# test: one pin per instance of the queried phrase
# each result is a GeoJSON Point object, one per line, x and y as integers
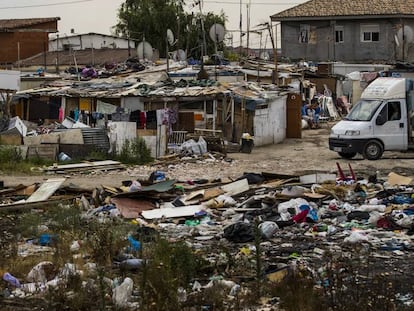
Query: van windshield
{"type": "Point", "coordinates": [364, 110]}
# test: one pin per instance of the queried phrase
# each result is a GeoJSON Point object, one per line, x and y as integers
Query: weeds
{"type": "Point", "coordinates": [135, 152]}
{"type": "Point", "coordinates": [347, 280]}
{"type": "Point", "coordinates": [176, 264]}
{"type": "Point", "coordinates": [11, 161]}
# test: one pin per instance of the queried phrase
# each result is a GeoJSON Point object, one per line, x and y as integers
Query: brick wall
{"type": "Point", "coordinates": [30, 42]}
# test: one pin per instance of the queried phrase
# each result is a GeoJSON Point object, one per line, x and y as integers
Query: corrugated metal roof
{"type": "Point", "coordinates": [155, 87]}
{"type": "Point", "coordinates": [340, 8]}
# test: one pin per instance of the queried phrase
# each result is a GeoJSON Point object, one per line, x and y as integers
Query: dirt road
{"type": "Point", "coordinates": [299, 156]}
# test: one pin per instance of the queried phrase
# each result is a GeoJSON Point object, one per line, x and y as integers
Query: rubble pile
{"type": "Point", "coordinates": [256, 230]}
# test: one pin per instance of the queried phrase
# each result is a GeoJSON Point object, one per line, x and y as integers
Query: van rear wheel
{"type": "Point", "coordinates": [373, 150]}
{"type": "Point", "coordinates": [347, 155]}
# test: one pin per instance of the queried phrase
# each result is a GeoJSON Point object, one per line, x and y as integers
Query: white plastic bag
{"type": "Point", "coordinates": [268, 228]}
{"type": "Point", "coordinates": [122, 293]}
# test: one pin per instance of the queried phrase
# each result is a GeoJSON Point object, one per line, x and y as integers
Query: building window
{"type": "Point", "coordinates": [304, 33]}
{"type": "Point", "coordinates": [339, 34]}
{"type": "Point", "coordinates": [369, 33]}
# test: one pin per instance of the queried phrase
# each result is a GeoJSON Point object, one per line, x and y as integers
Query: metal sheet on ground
{"type": "Point", "coordinates": [132, 208]}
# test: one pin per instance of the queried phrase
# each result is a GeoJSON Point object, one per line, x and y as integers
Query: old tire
{"type": "Point", "coordinates": [373, 150]}
{"type": "Point", "coordinates": [347, 155]}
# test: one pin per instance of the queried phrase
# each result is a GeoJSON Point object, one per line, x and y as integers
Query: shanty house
{"type": "Point", "coordinates": [348, 30]}
{"type": "Point", "coordinates": [156, 108]}
{"type": "Point", "coordinates": [22, 38]}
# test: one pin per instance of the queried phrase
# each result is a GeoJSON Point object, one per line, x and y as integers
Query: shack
{"type": "Point", "coordinates": [162, 111]}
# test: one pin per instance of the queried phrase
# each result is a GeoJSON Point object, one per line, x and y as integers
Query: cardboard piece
{"type": "Point", "coordinates": [395, 179]}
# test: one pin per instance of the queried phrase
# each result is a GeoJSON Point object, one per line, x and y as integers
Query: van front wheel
{"type": "Point", "coordinates": [373, 150]}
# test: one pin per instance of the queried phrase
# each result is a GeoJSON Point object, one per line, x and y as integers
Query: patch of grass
{"type": "Point", "coordinates": [11, 161]}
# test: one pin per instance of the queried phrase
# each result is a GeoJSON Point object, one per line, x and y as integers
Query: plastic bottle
{"type": "Point", "coordinates": [11, 280]}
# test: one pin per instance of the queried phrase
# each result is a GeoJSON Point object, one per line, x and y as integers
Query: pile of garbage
{"type": "Point", "coordinates": [294, 221]}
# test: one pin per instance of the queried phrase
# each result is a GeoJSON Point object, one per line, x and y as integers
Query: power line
{"type": "Point", "coordinates": [43, 5]}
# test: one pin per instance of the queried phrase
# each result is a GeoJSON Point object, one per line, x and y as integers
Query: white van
{"type": "Point", "coordinates": [381, 120]}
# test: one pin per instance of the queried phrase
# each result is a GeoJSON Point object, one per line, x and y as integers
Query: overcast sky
{"type": "Point", "coordinates": [99, 15]}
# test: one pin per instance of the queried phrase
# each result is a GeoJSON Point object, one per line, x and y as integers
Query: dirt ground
{"type": "Point", "coordinates": [294, 156]}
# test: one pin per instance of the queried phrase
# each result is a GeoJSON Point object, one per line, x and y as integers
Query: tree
{"type": "Point", "coordinates": [150, 19]}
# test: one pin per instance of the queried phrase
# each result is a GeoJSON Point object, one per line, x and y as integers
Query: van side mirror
{"type": "Point", "coordinates": [381, 119]}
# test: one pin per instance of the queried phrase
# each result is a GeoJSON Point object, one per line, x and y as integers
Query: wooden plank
{"type": "Point", "coordinates": [46, 151]}
{"type": "Point", "coordinates": [11, 139]}
{"type": "Point", "coordinates": [95, 164]}
{"type": "Point", "coordinates": [236, 187]}
{"type": "Point", "coordinates": [172, 212]}
{"type": "Point", "coordinates": [46, 190]}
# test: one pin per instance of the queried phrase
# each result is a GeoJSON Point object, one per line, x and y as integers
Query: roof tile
{"type": "Point", "coordinates": [327, 8]}
{"type": "Point", "coordinates": [25, 22]}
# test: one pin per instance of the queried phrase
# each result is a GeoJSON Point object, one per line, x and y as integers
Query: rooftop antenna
{"type": "Point", "coordinates": [144, 50]}
{"type": "Point", "coordinates": [217, 33]}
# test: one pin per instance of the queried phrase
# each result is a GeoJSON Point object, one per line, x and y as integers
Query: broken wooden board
{"type": "Point", "coordinates": [25, 206]}
{"type": "Point", "coordinates": [107, 164]}
{"type": "Point", "coordinates": [317, 178]}
{"type": "Point", "coordinates": [172, 212]}
{"type": "Point", "coordinates": [29, 190]}
{"type": "Point", "coordinates": [278, 183]}
{"type": "Point", "coordinates": [236, 187]}
{"type": "Point", "coordinates": [202, 195]}
{"type": "Point", "coordinates": [46, 190]}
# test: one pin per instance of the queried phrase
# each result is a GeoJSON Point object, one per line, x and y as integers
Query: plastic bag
{"type": "Point", "coordinates": [202, 145]}
{"type": "Point", "coordinates": [268, 228]}
{"type": "Point", "coordinates": [122, 294]}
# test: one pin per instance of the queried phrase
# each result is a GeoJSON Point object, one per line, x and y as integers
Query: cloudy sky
{"type": "Point", "coordinates": [99, 15]}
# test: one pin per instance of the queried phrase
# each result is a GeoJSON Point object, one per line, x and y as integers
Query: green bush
{"type": "Point", "coordinates": [135, 152]}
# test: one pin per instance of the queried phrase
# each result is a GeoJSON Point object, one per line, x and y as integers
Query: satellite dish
{"type": "Point", "coordinates": [179, 55]}
{"type": "Point", "coordinates": [170, 37]}
{"type": "Point", "coordinates": [217, 32]}
{"type": "Point", "coordinates": [144, 50]}
{"type": "Point", "coordinates": [405, 34]}
{"type": "Point", "coordinates": [264, 55]}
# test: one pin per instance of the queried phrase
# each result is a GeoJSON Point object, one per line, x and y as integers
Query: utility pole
{"type": "Point", "coordinates": [57, 54]}
{"type": "Point", "coordinates": [241, 29]}
{"type": "Point", "coordinates": [248, 27]}
{"type": "Point", "coordinates": [275, 78]}
{"type": "Point", "coordinates": [204, 48]}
